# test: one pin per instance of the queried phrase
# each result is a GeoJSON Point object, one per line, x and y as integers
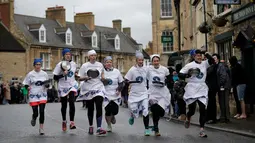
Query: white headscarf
{"type": "Point", "coordinates": [91, 52]}
{"type": "Point", "coordinates": [155, 55]}
{"type": "Point", "coordinates": [138, 54]}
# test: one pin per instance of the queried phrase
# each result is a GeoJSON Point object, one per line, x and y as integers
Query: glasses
{"type": "Point", "coordinates": [37, 64]}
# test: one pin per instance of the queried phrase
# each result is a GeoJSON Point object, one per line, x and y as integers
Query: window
{"type": "Point", "coordinates": [166, 8]}
{"type": "Point", "coordinates": [42, 37]}
{"type": "Point", "coordinates": [94, 40]}
{"type": "Point", "coordinates": [42, 34]}
{"type": "Point", "coordinates": [69, 37]}
{"type": "Point", "coordinates": [167, 47]}
{"type": "Point", "coordinates": [224, 49]}
{"type": "Point", "coordinates": [45, 60]}
{"type": "Point", "coordinates": [222, 7]}
{"type": "Point", "coordinates": [76, 59]}
{"type": "Point", "coordinates": [117, 42]}
{"type": "Point", "coordinates": [120, 63]}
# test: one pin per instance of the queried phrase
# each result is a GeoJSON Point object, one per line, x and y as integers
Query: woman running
{"type": "Point", "coordinates": [67, 87]}
{"type": "Point", "coordinates": [113, 85]}
{"type": "Point", "coordinates": [159, 95]}
{"type": "Point", "coordinates": [37, 82]}
{"type": "Point", "coordinates": [92, 90]}
{"type": "Point", "coordinates": [196, 90]}
{"type": "Point", "coordinates": [138, 97]}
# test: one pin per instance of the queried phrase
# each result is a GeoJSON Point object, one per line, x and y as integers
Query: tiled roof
{"type": "Point", "coordinates": [80, 35]}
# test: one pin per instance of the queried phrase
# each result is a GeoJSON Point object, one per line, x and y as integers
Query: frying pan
{"type": "Point", "coordinates": [66, 66]}
{"type": "Point", "coordinates": [93, 73]}
{"type": "Point", "coordinates": [158, 83]}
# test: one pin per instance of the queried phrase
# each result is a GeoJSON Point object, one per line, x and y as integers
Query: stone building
{"type": "Point", "coordinates": [12, 56]}
{"type": "Point", "coordinates": [46, 37]}
{"type": "Point", "coordinates": [163, 24]}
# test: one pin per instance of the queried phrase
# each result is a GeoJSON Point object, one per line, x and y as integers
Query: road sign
{"type": "Point", "coordinates": [167, 39]}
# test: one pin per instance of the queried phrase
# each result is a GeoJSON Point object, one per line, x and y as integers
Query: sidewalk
{"type": "Point", "coordinates": [245, 127]}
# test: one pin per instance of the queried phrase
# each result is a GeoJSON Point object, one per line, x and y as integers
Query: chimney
{"type": "Point", "coordinates": [117, 24]}
{"type": "Point", "coordinates": [127, 30]}
{"type": "Point", "coordinates": [57, 13]}
{"type": "Point", "coordinates": [7, 12]}
{"type": "Point", "coordinates": [86, 18]}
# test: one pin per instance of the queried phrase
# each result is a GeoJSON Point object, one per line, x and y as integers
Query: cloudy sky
{"type": "Point", "coordinates": [133, 13]}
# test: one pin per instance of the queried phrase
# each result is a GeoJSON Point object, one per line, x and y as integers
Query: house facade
{"type": "Point", "coordinates": [46, 37]}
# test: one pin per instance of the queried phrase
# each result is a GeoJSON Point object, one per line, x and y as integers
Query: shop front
{"type": "Point", "coordinates": [243, 21]}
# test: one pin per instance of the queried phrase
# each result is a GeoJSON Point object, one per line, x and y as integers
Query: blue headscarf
{"type": "Point", "coordinates": [107, 58]}
{"type": "Point", "coordinates": [66, 50]}
{"type": "Point", "coordinates": [37, 60]}
{"type": "Point", "coordinates": [192, 52]}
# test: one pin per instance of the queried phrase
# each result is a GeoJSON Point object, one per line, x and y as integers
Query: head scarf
{"type": "Point", "coordinates": [155, 55]}
{"type": "Point", "coordinates": [192, 52]}
{"type": "Point", "coordinates": [66, 50]}
{"type": "Point", "coordinates": [37, 60]}
{"type": "Point", "coordinates": [107, 58]}
{"type": "Point", "coordinates": [138, 54]}
{"type": "Point", "coordinates": [91, 52]}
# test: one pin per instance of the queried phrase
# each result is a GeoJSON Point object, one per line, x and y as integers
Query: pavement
{"type": "Point", "coordinates": [15, 128]}
{"type": "Point", "coordinates": [245, 127]}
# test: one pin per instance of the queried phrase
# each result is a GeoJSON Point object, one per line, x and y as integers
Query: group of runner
{"type": "Point", "coordinates": [101, 85]}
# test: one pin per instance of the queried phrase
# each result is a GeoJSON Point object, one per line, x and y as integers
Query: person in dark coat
{"type": "Point", "coordinates": [239, 85]}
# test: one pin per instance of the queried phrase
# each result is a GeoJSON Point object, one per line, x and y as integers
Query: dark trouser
{"type": "Point", "coordinates": [98, 100]}
{"type": "Point", "coordinates": [182, 106]}
{"type": "Point", "coordinates": [202, 112]}
{"type": "Point", "coordinates": [224, 104]}
{"type": "Point", "coordinates": [211, 108]}
{"type": "Point", "coordinates": [238, 105]}
{"type": "Point", "coordinates": [146, 121]}
{"type": "Point", "coordinates": [157, 112]}
{"type": "Point", "coordinates": [64, 101]}
{"type": "Point", "coordinates": [41, 111]}
{"type": "Point", "coordinates": [111, 109]}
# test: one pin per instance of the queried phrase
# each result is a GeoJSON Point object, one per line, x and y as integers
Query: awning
{"type": "Point", "coordinates": [245, 38]}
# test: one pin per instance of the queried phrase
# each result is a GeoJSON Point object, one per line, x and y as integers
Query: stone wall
{"type": "Point", "coordinates": [13, 64]}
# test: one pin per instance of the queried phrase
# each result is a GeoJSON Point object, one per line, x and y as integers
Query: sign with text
{"type": "Point", "coordinates": [243, 13]}
{"type": "Point", "coordinates": [167, 39]}
{"type": "Point", "coordinates": [233, 2]}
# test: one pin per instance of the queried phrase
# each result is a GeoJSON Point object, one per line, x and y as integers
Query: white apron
{"type": "Point", "coordinates": [196, 88]}
{"type": "Point", "coordinates": [37, 91]}
{"type": "Point", "coordinates": [93, 87]}
{"type": "Point", "coordinates": [158, 95]}
{"type": "Point", "coordinates": [110, 90]}
{"type": "Point", "coordinates": [66, 86]}
{"type": "Point", "coordinates": [138, 96]}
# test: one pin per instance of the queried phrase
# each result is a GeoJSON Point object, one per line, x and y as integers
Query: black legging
{"type": "Point", "coordinates": [98, 100]}
{"type": "Point", "coordinates": [64, 101]}
{"type": "Point", "coordinates": [111, 109]}
{"type": "Point", "coordinates": [41, 110]}
{"type": "Point", "coordinates": [202, 111]}
{"type": "Point", "coordinates": [157, 112]}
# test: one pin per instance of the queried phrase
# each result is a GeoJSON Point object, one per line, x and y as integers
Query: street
{"type": "Point", "coordinates": [15, 128]}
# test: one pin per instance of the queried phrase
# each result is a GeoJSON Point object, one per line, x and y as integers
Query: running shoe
{"type": "Point", "coordinates": [72, 125]}
{"type": "Point", "coordinates": [109, 128]}
{"type": "Point", "coordinates": [91, 130]}
{"type": "Point", "coordinates": [202, 134]}
{"type": "Point", "coordinates": [41, 131]}
{"type": "Point", "coordinates": [64, 126]}
{"type": "Point", "coordinates": [156, 130]}
{"type": "Point", "coordinates": [147, 132]}
{"type": "Point", "coordinates": [187, 124]}
{"type": "Point", "coordinates": [113, 121]}
{"type": "Point", "coordinates": [33, 122]}
{"type": "Point", "coordinates": [131, 121]}
{"type": "Point", "coordinates": [101, 132]}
